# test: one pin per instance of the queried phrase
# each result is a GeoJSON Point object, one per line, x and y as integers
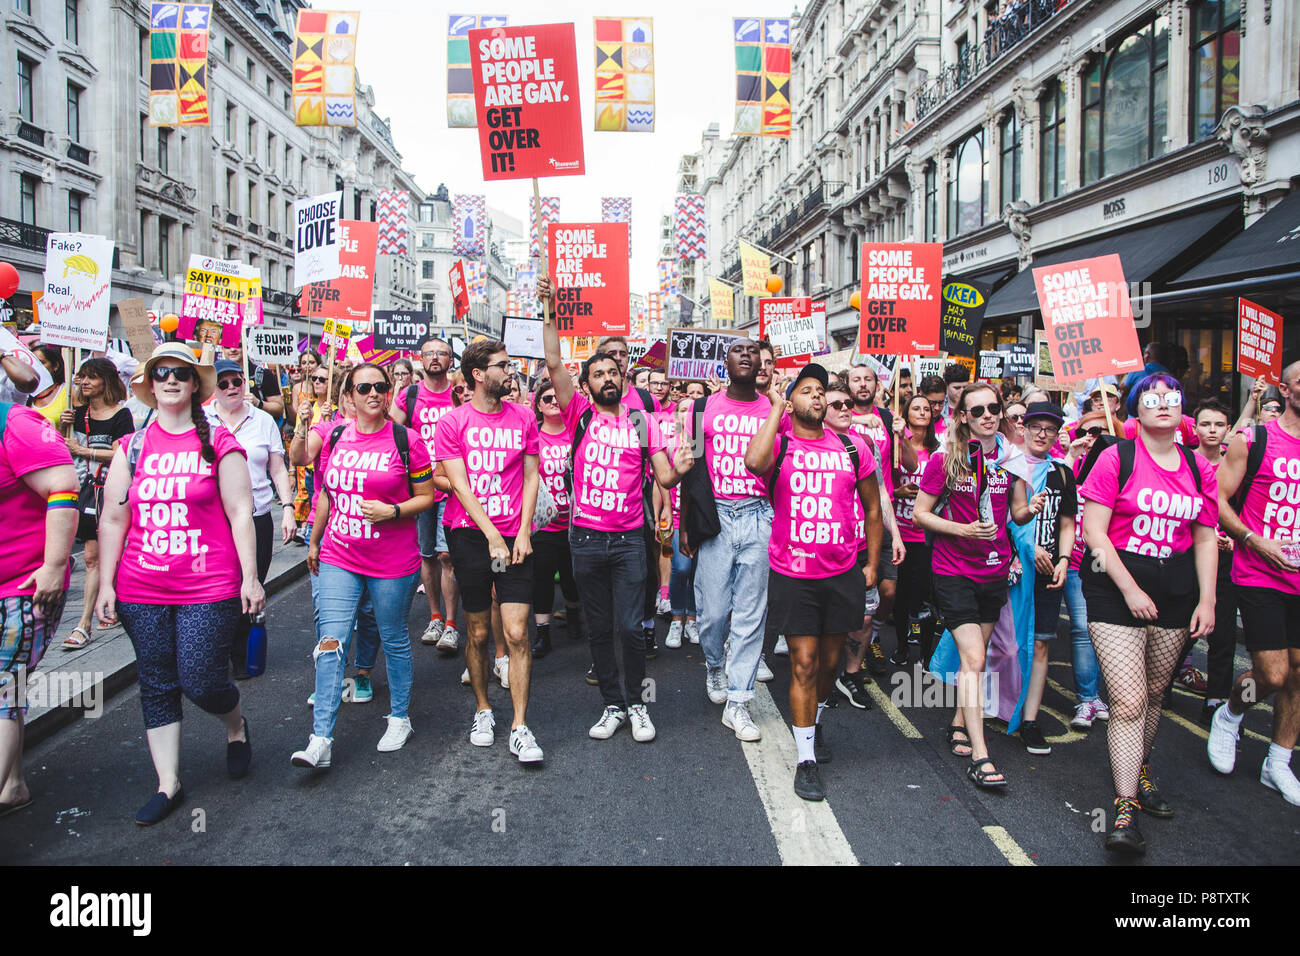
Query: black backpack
{"type": "Point", "coordinates": [642, 426]}
{"type": "Point", "coordinates": [702, 522]}
{"type": "Point", "coordinates": [1255, 458]}
{"type": "Point", "coordinates": [1127, 448]}
{"type": "Point", "coordinates": [400, 438]}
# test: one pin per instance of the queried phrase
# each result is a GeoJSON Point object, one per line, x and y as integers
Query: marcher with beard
{"type": "Point", "coordinates": [815, 589]}
{"type": "Point", "coordinates": [420, 406]}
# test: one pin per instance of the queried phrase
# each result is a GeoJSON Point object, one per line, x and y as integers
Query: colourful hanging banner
{"type": "Point", "coordinates": [762, 76]}
{"type": "Point", "coordinates": [394, 214]}
{"type": "Point", "coordinates": [460, 80]}
{"type": "Point", "coordinates": [755, 267]}
{"type": "Point", "coordinates": [618, 209]}
{"type": "Point", "coordinates": [550, 214]}
{"type": "Point", "coordinates": [178, 64]}
{"type": "Point", "coordinates": [324, 68]}
{"type": "Point", "coordinates": [689, 228]}
{"type": "Point", "coordinates": [476, 281]}
{"type": "Point", "coordinates": [668, 278]}
{"type": "Point", "coordinates": [625, 78]}
{"type": "Point", "coordinates": [469, 225]}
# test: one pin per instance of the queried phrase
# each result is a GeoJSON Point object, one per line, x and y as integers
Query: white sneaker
{"type": "Point", "coordinates": [764, 672]}
{"type": "Point", "coordinates": [612, 719]}
{"type": "Point", "coordinates": [664, 607]}
{"type": "Point", "coordinates": [395, 737]}
{"type": "Point", "coordinates": [316, 755]}
{"type": "Point", "coordinates": [464, 676]}
{"type": "Point", "coordinates": [674, 638]}
{"type": "Point", "coordinates": [692, 632]}
{"type": "Point", "coordinates": [1279, 777]}
{"type": "Point", "coordinates": [524, 745]}
{"type": "Point", "coordinates": [715, 683]}
{"type": "Point", "coordinates": [782, 649]}
{"type": "Point", "coordinates": [449, 641]}
{"type": "Point", "coordinates": [502, 671]}
{"type": "Point", "coordinates": [481, 732]}
{"type": "Point", "coordinates": [1082, 719]}
{"type": "Point", "coordinates": [1099, 710]}
{"type": "Point", "coordinates": [1222, 743]}
{"type": "Point", "coordinates": [736, 717]}
{"type": "Point", "coordinates": [642, 730]}
{"type": "Point", "coordinates": [433, 633]}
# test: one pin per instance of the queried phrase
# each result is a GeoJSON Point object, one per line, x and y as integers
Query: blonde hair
{"type": "Point", "coordinates": [956, 440]}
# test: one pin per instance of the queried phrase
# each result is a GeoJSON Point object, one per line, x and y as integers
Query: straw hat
{"type": "Point", "coordinates": [143, 388]}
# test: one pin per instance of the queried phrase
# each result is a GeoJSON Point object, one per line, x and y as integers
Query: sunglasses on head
{"type": "Point", "coordinates": [182, 373]}
{"type": "Point", "coordinates": [978, 411]}
{"type": "Point", "coordinates": [363, 388]}
{"type": "Point", "coordinates": [1154, 399]}
{"type": "Point", "coordinates": [839, 404]}
{"type": "Point", "coordinates": [233, 381]}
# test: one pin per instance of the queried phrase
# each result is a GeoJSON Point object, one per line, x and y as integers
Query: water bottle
{"type": "Point", "coordinates": [256, 663]}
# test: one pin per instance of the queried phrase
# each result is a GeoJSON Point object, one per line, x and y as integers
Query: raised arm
{"type": "Point", "coordinates": [560, 377]}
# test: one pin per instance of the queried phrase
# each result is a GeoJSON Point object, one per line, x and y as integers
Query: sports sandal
{"type": "Point", "coordinates": [74, 643]}
{"type": "Point", "coordinates": [953, 743]}
{"type": "Point", "coordinates": [981, 777]}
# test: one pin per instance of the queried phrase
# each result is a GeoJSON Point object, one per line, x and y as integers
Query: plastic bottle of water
{"type": "Point", "coordinates": [257, 645]}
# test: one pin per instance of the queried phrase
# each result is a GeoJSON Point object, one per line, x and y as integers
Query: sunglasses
{"type": "Point", "coordinates": [549, 400]}
{"type": "Point", "coordinates": [182, 373]}
{"type": "Point", "coordinates": [233, 382]}
{"type": "Point", "coordinates": [1271, 407]}
{"type": "Point", "coordinates": [363, 388]}
{"type": "Point", "coordinates": [1154, 399]}
{"type": "Point", "coordinates": [1015, 418]}
{"type": "Point", "coordinates": [461, 389]}
{"type": "Point", "coordinates": [839, 404]}
{"type": "Point", "coordinates": [1094, 432]}
{"type": "Point", "coordinates": [978, 411]}
{"type": "Point", "coordinates": [321, 379]}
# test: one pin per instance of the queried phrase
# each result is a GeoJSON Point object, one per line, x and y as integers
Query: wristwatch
{"type": "Point", "coordinates": [397, 512]}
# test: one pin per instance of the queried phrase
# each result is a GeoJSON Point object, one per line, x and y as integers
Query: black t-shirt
{"type": "Point", "coordinates": [102, 434]}
{"type": "Point", "coordinates": [263, 384]}
{"type": "Point", "coordinates": [1062, 501]}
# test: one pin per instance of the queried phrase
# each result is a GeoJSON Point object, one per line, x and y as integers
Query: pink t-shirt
{"type": "Point", "coordinates": [883, 439]}
{"type": "Point", "coordinates": [866, 454]}
{"type": "Point", "coordinates": [607, 492]}
{"type": "Point", "coordinates": [429, 407]}
{"type": "Point", "coordinates": [366, 467]}
{"type": "Point", "coordinates": [1271, 510]}
{"type": "Point", "coordinates": [1153, 514]}
{"type": "Point", "coordinates": [667, 420]}
{"type": "Point", "coordinates": [324, 428]}
{"type": "Point", "coordinates": [179, 546]}
{"type": "Point", "coordinates": [970, 557]}
{"type": "Point", "coordinates": [728, 427]}
{"type": "Point", "coordinates": [30, 444]}
{"type": "Point", "coordinates": [903, 507]}
{"type": "Point", "coordinates": [492, 447]}
{"type": "Point", "coordinates": [553, 461]}
{"type": "Point", "coordinates": [813, 523]}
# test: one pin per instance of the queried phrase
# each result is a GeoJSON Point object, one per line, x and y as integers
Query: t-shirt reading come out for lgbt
{"type": "Point", "coordinates": [552, 463]}
{"type": "Point", "coordinates": [607, 468]}
{"type": "Point", "coordinates": [1271, 510]}
{"type": "Point", "coordinates": [493, 447]}
{"type": "Point", "coordinates": [367, 467]}
{"type": "Point", "coordinates": [30, 444]}
{"type": "Point", "coordinates": [971, 558]}
{"type": "Point", "coordinates": [1153, 514]}
{"type": "Point", "coordinates": [179, 547]}
{"type": "Point", "coordinates": [429, 407]}
{"type": "Point", "coordinates": [728, 427]}
{"type": "Point", "coordinates": [813, 532]}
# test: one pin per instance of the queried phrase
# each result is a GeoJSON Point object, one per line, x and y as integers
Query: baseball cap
{"type": "Point", "coordinates": [811, 370]}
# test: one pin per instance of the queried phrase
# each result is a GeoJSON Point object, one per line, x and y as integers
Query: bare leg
{"type": "Point", "coordinates": [805, 667]}
{"type": "Point", "coordinates": [87, 620]}
{"type": "Point", "coordinates": [478, 623]}
{"type": "Point", "coordinates": [13, 788]}
{"type": "Point", "coordinates": [450, 590]}
{"type": "Point", "coordinates": [1037, 679]}
{"type": "Point", "coordinates": [430, 575]}
{"type": "Point", "coordinates": [514, 617]}
{"type": "Point", "coordinates": [165, 749]}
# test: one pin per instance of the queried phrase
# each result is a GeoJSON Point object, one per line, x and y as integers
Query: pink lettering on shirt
{"type": "Point", "coordinates": [1271, 510]}
{"type": "Point", "coordinates": [493, 447]}
{"type": "Point", "coordinates": [607, 488]}
{"type": "Point", "coordinates": [970, 557]}
{"type": "Point", "coordinates": [904, 507]}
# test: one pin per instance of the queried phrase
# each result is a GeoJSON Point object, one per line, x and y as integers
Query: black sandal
{"type": "Point", "coordinates": [981, 777]}
{"type": "Point", "coordinates": [953, 744]}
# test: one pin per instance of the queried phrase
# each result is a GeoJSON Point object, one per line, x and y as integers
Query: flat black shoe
{"type": "Point", "coordinates": [541, 647]}
{"type": "Point", "coordinates": [808, 781]}
{"type": "Point", "coordinates": [159, 807]}
{"type": "Point", "coordinates": [1125, 837]}
{"type": "Point", "coordinates": [1150, 799]}
{"type": "Point", "coordinates": [876, 660]}
{"type": "Point", "coordinates": [821, 748]}
{"type": "Point", "coordinates": [591, 676]}
{"type": "Point", "coordinates": [239, 754]}
{"type": "Point", "coordinates": [1033, 739]}
{"type": "Point", "coordinates": [651, 648]}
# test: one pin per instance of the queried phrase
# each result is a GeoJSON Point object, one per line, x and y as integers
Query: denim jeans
{"type": "Point", "coordinates": [367, 629]}
{"type": "Point", "coordinates": [731, 579]}
{"type": "Point", "coordinates": [681, 583]}
{"type": "Point", "coordinates": [610, 569]}
{"type": "Point", "coordinates": [339, 598]}
{"type": "Point", "coordinates": [1083, 656]}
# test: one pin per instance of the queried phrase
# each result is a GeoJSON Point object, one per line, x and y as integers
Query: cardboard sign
{"type": "Point", "coordinates": [698, 353]}
{"type": "Point", "coordinates": [1088, 318]}
{"type": "Point", "coordinates": [527, 102]}
{"type": "Point", "coordinates": [927, 366]}
{"type": "Point", "coordinates": [335, 334]}
{"type": "Point", "coordinates": [400, 330]}
{"type": "Point", "coordinates": [318, 237]}
{"type": "Point", "coordinates": [1017, 360]}
{"type": "Point", "coordinates": [655, 357]}
{"type": "Point", "coordinates": [883, 366]}
{"type": "Point", "coordinates": [788, 324]}
{"type": "Point", "coordinates": [135, 322]}
{"type": "Point", "coordinates": [963, 311]}
{"type": "Point", "coordinates": [349, 296]}
{"type": "Point", "coordinates": [901, 298]}
{"type": "Point", "coordinates": [1259, 342]}
{"type": "Point", "coordinates": [459, 289]}
{"type": "Point", "coordinates": [272, 346]}
{"type": "Point", "coordinates": [1043, 376]}
{"type": "Point", "coordinates": [74, 302]}
{"type": "Point", "coordinates": [589, 265]}
{"type": "Point", "coordinates": [721, 302]}
{"type": "Point", "coordinates": [523, 337]}
{"type": "Point", "coordinates": [990, 365]}
{"type": "Point", "coordinates": [221, 297]}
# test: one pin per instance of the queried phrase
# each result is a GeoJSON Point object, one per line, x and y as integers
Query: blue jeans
{"type": "Point", "coordinates": [339, 598]}
{"type": "Point", "coordinates": [610, 569]}
{"type": "Point", "coordinates": [367, 629]}
{"type": "Point", "coordinates": [681, 583]}
{"type": "Point", "coordinates": [1084, 658]}
{"type": "Point", "coordinates": [731, 579]}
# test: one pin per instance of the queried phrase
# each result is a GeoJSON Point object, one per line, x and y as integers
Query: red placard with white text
{"type": "Point", "coordinates": [589, 266]}
{"type": "Point", "coordinates": [900, 298]}
{"type": "Point", "coordinates": [788, 323]}
{"type": "Point", "coordinates": [350, 296]}
{"type": "Point", "coordinates": [459, 289]}
{"type": "Point", "coordinates": [526, 98]}
{"type": "Point", "coordinates": [1259, 342]}
{"type": "Point", "coordinates": [1088, 319]}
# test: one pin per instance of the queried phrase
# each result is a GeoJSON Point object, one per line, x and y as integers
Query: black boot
{"type": "Point", "coordinates": [542, 643]}
{"type": "Point", "coordinates": [573, 623]}
{"type": "Point", "coordinates": [1125, 837]}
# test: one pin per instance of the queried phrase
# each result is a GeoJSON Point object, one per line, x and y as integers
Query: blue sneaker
{"type": "Point", "coordinates": [362, 693]}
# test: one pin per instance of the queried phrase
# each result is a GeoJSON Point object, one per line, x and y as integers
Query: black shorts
{"type": "Point", "coordinates": [960, 600]}
{"type": "Point", "coordinates": [1270, 620]}
{"type": "Point", "coordinates": [473, 566]}
{"type": "Point", "coordinates": [886, 570]}
{"type": "Point", "coordinates": [1169, 582]}
{"type": "Point", "coordinates": [1047, 608]}
{"type": "Point", "coordinates": [815, 606]}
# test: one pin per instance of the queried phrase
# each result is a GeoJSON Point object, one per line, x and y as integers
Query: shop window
{"type": "Point", "coordinates": [968, 188]}
{"type": "Point", "coordinates": [1125, 103]}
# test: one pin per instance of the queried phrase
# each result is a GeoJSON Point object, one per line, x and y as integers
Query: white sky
{"type": "Point", "coordinates": [402, 53]}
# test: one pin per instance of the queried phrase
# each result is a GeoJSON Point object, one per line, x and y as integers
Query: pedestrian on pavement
{"type": "Point", "coordinates": [551, 554]}
{"type": "Point", "coordinates": [179, 563]}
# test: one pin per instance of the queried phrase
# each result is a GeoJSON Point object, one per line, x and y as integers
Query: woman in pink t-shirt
{"type": "Point", "coordinates": [681, 569]}
{"type": "Point", "coordinates": [178, 555]}
{"type": "Point", "coordinates": [914, 572]}
{"type": "Point", "coordinates": [1150, 580]}
{"type": "Point", "coordinates": [551, 544]}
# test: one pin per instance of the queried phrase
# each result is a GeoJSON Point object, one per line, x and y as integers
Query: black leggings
{"type": "Point", "coordinates": [913, 583]}
{"type": "Point", "coordinates": [551, 554]}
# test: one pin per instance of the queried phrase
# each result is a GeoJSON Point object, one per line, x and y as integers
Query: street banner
{"type": "Point", "coordinates": [618, 209]}
{"type": "Point", "coordinates": [272, 346]}
{"type": "Point", "coordinates": [459, 290]}
{"type": "Point", "coordinates": [135, 322]}
{"type": "Point", "coordinates": [460, 72]}
{"type": "Point", "coordinates": [669, 279]}
{"type": "Point", "coordinates": [178, 64]}
{"type": "Point", "coordinates": [1017, 360]}
{"type": "Point", "coordinates": [625, 75]}
{"type": "Point", "coordinates": [523, 337]}
{"type": "Point", "coordinates": [402, 330]}
{"type": "Point", "coordinates": [698, 353]}
{"type": "Point", "coordinates": [990, 365]}
{"type": "Point", "coordinates": [690, 234]}
{"type": "Point", "coordinates": [655, 356]}
{"type": "Point", "coordinates": [550, 213]}
{"type": "Point", "coordinates": [526, 101]}
{"type": "Point", "coordinates": [393, 209]}
{"type": "Point", "coordinates": [349, 296]}
{"type": "Point", "coordinates": [74, 306]}
{"type": "Point", "coordinates": [318, 236]}
{"type": "Point", "coordinates": [788, 324]}
{"type": "Point", "coordinates": [762, 56]}
{"type": "Point", "coordinates": [324, 69]}
{"type": "Point", "coordinates": [901, 298]}
{"type": "Point", "coordinates": [1088, 318]}
{"type": "Point", "coordinates": [476, 275]}
{"type": "Point", "coordinates": [755, 267]}
{"type": "Point", "coordinates": [221, 296]}
{"type": "Point", "coordinates": [335, 335]}
{"type": "Point", "coordinates": [1259, 342]}
{"type": "Point", "coordinates": [721, 303]}
{"type": "Point", "coordinates": [589, 264]}
{"type": "Point", "coordinates": [963, 311]}
{"type": "Point", "coordinates": [366, 350]}
{"type": "Point", "coordinates": [469, 225]}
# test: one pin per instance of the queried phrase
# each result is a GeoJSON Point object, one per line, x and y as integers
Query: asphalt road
{"type": "Point", "coordinates": [695, 795]}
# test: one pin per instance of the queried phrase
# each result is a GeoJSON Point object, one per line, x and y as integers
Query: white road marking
{"type": "Point", "coordinates": [1008, 847]}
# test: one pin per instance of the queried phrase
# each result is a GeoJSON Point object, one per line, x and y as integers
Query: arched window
{"type": "Point", "coordinates": [1125, 103]}
{"type": "Point", "coordinates": [1009, 135]}
{"type": "Point", "coordinates": [968, 187]}
{"type": "Point", "coordinates": [1051, 145]}
{"type": "Point", "coordinates": [1216, 57]}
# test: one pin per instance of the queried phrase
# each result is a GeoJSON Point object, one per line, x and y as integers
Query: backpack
{"type": "Point", "coordinates": [412, 395]}
{"type": "Point", "coordinates": [642, 426]}
{"type": "Point", "coordinates": [784, 446]}
{"type": "Point", "coordinates": [1127, 448]}
{"type": "Point", "coordinates": [702, 522]}
{"type": "Point", "coordinates": [1255, 458]}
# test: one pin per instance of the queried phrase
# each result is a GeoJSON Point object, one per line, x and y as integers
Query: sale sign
{"type": "Point", "coordinates": [1088, 318]}
{"type": "Point", "coordinates": [788, 324]}
{"type": "Point", "coordinates": [900, 298]}
{"type": "Point", "coordinates": [526, 99]}
{"type": "Point", "coordinates": [335, 335]}
{"type": "Point", "coordinates": [1259, 342]}
{"type": "Point", "coordinates": [317, 238]}
{"type": "Point", "coordinates": [349, 296]}
{"type": "Point", "coordinates": [589, 263]}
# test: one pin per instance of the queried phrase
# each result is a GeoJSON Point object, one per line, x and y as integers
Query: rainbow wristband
{"type": "Point", "coordinates": [61, 499]}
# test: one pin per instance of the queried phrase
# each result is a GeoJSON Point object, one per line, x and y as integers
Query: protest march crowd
{"type": "Point", "coordinates": [795, 502]}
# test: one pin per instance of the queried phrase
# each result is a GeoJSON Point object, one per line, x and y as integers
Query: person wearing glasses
{"type": "Point", "coordinates": [1013, 423]}
{"type": "Point", "coordinates": [402, 374]}
{"type": "Point", "coordinates": [257, 434]}
{"type": "Point", "coordinates": [375, 480]}
{"type": "Point", "coordinates": [420, 406]}
{"type": "Point", "coordinates": [1152, 507]}
{"type": "Point", "coordinates": [179, 563]}
{"type": "Point", "coordinates": [551, 553]}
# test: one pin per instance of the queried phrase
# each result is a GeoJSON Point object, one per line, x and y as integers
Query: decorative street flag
{"type": "Point", "coordinates": [625, 79]}
{"type": "Point", "coordinates": [469, 225]}
{"type": "Point", "coordinates": [459, 290]}
{"type": "Point", "coordinates": [721, 303]}
{"type": "Point", "coordinates": [178, 64]}
{"type": "Point", "coordinates": [394, 218]}
{"type": "Point", "coordinates": [324, 68]}
{"type": "Point", "coordinates": [762, 76]}
{"type": "Point", "coordinates": [618, 209]}
{"type": "Point", "coordinates": [689, 228]}
{"type": "Point", "coordinates": [460, 81]}
{"type": "Point", "coordinates": [526, 282]}
{"type": "Point", "coordinates": [550, 214]}
{"type": "Point", "coordinates": [755, 267]}
{"type": "Point", "coordinates": [668, 278]}
{"type": "Point", "coordinates": [476, 280]}
{"type": "Point", "coordinates": [654, 309]}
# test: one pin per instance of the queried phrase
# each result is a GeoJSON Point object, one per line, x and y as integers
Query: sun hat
{"type": "Point", "coordinates": [142, 386]}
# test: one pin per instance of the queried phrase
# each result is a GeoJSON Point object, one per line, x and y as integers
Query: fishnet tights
{"type": "Point", "coordinates": [1137, 664]}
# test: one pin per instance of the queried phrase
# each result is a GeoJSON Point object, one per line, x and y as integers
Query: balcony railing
{"type": "Point", "coordinates": [32, 134]}
{"type": "Point", "coordinates": [78, 154]}
{"type": "Point", "coordinates": [23, 235]}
